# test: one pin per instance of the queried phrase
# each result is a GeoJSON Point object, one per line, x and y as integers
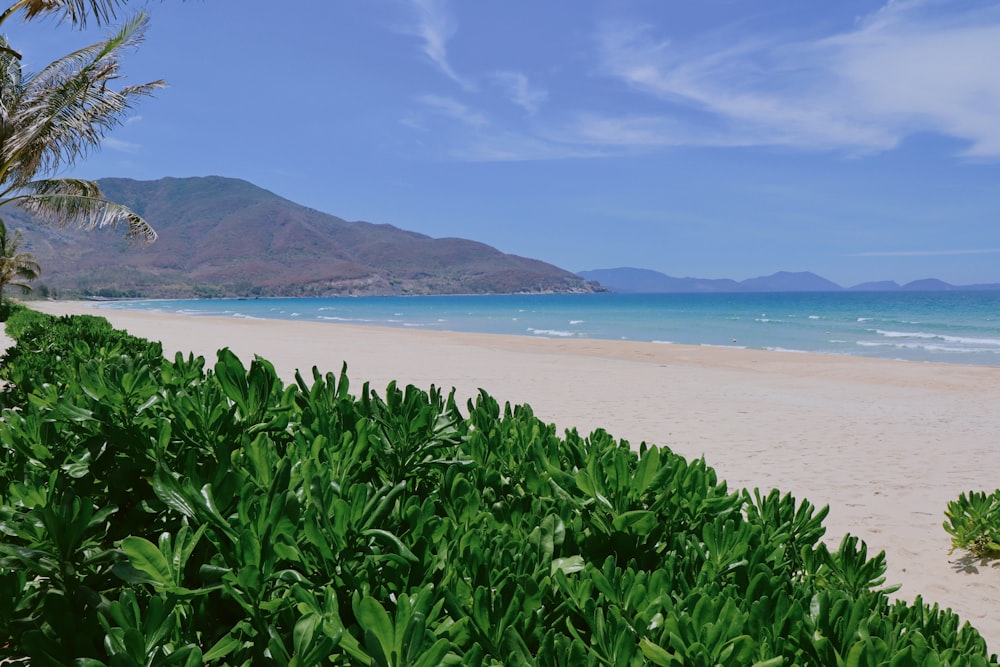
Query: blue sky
{"type": "Point", "coordinates": [717, 138]}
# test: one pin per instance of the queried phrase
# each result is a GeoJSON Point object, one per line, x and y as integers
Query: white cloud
{"type": "Point", "coordinates": [452, 108]}
{"type": "Point", "coordinates": [520, 90]}
{"type": "Point", "coordinates": [517, 147]}
{"type": "Point", "coordinates": [901, 70]}
{"type": "Point", "coordinates": [121, 146]}
{"type": "Point", "coordinates": [634, 132]}
{"type": "Point", "coordinates": [435, 27]}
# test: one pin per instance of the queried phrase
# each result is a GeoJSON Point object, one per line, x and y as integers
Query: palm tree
{"type": "Point", "coordinates": [51, 118]}
{"type": "Point", "coordinates": [75, 11]}
{"type": "Point", "coordinates": [17, 269]}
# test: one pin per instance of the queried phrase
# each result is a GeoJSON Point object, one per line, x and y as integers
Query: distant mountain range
{"type": "Point", "coordinates": [227, 237]}
{"type": "Point", "coordinates": [648, 281]}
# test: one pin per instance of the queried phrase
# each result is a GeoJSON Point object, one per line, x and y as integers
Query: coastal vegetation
{"type": "Point", "coordinates": [184, 512]}
{"type": "Point", "coordinates": [973, 521]}
{"type": "Point", "coordinates": [17, 268]}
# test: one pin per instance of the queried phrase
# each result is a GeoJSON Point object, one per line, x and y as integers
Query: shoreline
{"type": "Point", "coordinates": [838, 328]}
{"type": "Point", "coordinates": [886, 444]}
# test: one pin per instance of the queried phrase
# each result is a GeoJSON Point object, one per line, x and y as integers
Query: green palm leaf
{"type": "Point", "coordinates": [80, 203]}
{"type": "Point", "coordinates": [50, 119]}
{"type": "Point", "coordinates": [76, 11]}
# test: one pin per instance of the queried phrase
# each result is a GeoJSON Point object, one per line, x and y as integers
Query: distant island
{"type": "Point", "coordinates": [633, 280]}
{"type": "Point", "coordinates": [224, 237]}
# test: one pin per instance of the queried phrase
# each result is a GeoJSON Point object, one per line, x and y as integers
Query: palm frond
{"type": "Point", "coordinates": [11, 88]}
{"type": "Point", "coordinates": [63, 112]}
{"type": "Point", "coordinates": [17, 269]}
{"type": "Point", "coordinates": [75, 11]}
{"type": "Point", "coordinates": [76, 202]}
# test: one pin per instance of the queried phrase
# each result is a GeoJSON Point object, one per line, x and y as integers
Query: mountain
{"type": "Point", "coordinates": [784, 281]}
{"type": "Point", "coordinates": [627, 279]}
{"type": "Point", "coordinates": [877, 286]}
{"type": "Point", "coordinates": [928, 285]}
{"type": "Point", "coordinates": [227, 237]}
{"type": "Point", "coordinates": [645, 280]}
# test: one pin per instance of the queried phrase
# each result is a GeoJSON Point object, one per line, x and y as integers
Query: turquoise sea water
{"type": "Point", "coordinates": [953, 327]}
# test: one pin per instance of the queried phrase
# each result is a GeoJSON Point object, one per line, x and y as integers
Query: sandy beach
{"type": "Point", "coordinates": [885, 444]}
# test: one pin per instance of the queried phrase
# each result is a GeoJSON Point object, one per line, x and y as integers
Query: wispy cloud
{"type": "Point", "coordinates": [517, 147]}
{"type": "Point", "coordinates": [926, 253]}
{"type": "Point", "coordinates": [629, 132]}
{"type": "Point", "coordinates": [452, 108]}
{"type": "Point", "coordinates": [909, 67]}
{"type": "Point", "coordinates": [521, 91]}
{"type": "Point", "coordinates": [121, 146]}
{"type": "Point", "coordinates": [435, 27]}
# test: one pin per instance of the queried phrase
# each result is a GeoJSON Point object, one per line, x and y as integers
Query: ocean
{"type": "Point", "coordinates": [951, 327]}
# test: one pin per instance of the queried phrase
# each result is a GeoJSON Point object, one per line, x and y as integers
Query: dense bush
{"type": "Point", "coordinates": [45, 343]}
{"type": "Point", "coordinates": [973, 521]}
{"type": "Point", "coordinates": [17, 318]}
{"type": "Point", "coordinates": [165, 513]}
{"type": "Point", "coordinates": [8, 308]}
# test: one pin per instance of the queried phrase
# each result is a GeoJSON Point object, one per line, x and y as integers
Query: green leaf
{"type": "Point", "coordinates": [568, 565]}
{"type": "Point", "coordinates": [770, 662]}
{"type": "Point", "coordinates": [657, 654]}
{"type": "Point", "coordinates": [145, 557]}
{"type": "Point", "coordinates": [377, 625]}
{"type": "Point", "coordinates": [302, 634]}
{"type": "Point", "coordinates": [393, 541]}
{"type": "Point", "coordinates": [637, 521]}
{"type": "Point", "coordinates": [226, 645]}
{"type": "Point", "coordinates": [435, 655]}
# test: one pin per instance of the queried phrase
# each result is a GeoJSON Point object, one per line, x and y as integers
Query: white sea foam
{"type": "Point", "coordinates": [576, 321]}
{"type": "Point", "coordinates": [966, 340]}
{"type": "Point", "coordinates": [993, 342]}
{"type": "Point", "coordinates": [814, 317]}
{"type": "Point", "coordinates": [928, 347]}
{"type": "Point", "coordinates": [551, 332]}
{"type": "Point", "coordinates": [904, 334]}
{"type": "Point", "coordinates": [332, 318]}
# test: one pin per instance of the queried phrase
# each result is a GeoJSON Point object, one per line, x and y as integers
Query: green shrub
{"type": "Point", "coordinates": [8, 308]}
{"type": "Point", "coordinates": [161, 512]}
{"type": "Point", "coordinates": [44, 344]}
{"type": "Point", "coordinates": [20, 318]}
{"type": "Point", "coordinates": [973, 521]}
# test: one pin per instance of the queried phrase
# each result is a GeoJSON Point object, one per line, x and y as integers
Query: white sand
{"type": "Point", "coordinates": [885, 444]}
